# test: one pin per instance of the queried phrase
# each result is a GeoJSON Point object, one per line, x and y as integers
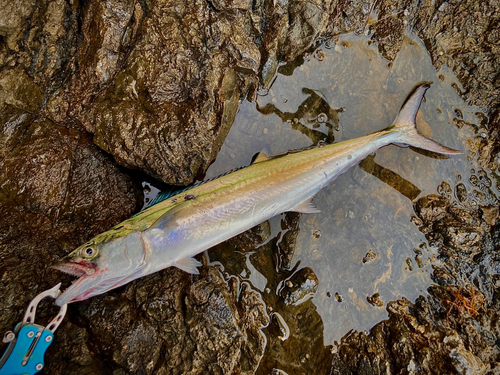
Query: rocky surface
{"type": "Point", "coordinates": [154, 328]}
{"type": "Point", "coordinates": [455, 329]}
{"type": "Point", "coordinates": [58, 189]}
{"type": "Point", "coordinates": [156, 85]}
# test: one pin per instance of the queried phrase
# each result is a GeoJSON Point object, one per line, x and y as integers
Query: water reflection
{"type": "Point", "coordinates": [266, 253]}
{"type": "Point", "coordinates": [389, 177]}
{"type": "Point", "coordinates": [314, 111]}
{"type": "Point", "coordinates": [295, 334]}
{"type": "Point", "coordinates": [362, 217]}
{"type": "Point", "coordinates": [367, 247]}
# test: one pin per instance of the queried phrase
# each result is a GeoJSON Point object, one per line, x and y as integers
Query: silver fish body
{"type": "Point", "coordinates": [170, 233]}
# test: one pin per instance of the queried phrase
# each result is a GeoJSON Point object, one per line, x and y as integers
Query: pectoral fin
{"type": "Point", "coordinates": [189, 265]}
{"type": "Point", "coordinates": [306, 207]}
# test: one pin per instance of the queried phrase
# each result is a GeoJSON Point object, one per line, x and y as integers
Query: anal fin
{"type": "Point", "coordinates": [306, 207]}
{"type": "Point", "coordinates": [189, 265]}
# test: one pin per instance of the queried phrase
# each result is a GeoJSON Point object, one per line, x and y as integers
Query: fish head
{"type": "Point", "coordinates": [101, 265]}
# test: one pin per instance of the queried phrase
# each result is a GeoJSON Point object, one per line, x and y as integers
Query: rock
{"type": "Point", "coordinates": [431, 208]}
{"type": "Point", "coordinates": [111, 85]}
{"type": "Point", "coordinates": [464, 49]}
{"type": "Point", "coordinates": [466, 363]}
{"type": "Point", "coordinates": [167, 324]}
{"type": "Point", "coordinates": [171, 117]}
{"type": "Point", "coordinates": [251, 239]}
{"type": "Point", "coordinates": [157, 84]}
{"type": "Point", "coordinates": [370, 256]}
{"type": "Point", "coordinates": [404, 333]}
{"type": "Point", "coordinates": [290, 30]}
{"type": "Point", "coordinates": [57, 191]}
{"type": "Point", "coordinates": [300, 287]}
{"type": "Point", "coordinates": [286, 247]}
{"type": "Point", "coordinates": [57, 188]}
{"type": "Point", "coordinates": [132, 105]}
{"type": "Point", "coordinates": [490, 214]}
{"type": "Point", "coordinates": [227, 5]}
{"type": "Point", "coordinates": [375, 300]}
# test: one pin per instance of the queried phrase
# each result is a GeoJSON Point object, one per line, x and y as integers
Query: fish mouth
{"type": "Point", "coordinates": [76, 269]}
{"type": "Point", "coordinates": [84, 286]}
{"type": "Point", "coordinates": [88, 286]}
{"type": "Point", "coordinates": [77, 291]}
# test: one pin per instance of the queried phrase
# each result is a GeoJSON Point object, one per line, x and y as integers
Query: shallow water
{"type": "Point", "coordinates": [366, 239]}
{"type": "Point", "coordinates": [360, 212]}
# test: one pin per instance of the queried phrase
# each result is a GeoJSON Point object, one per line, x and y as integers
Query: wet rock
{"type": "Point", "coordinates": [466, 363]}
{"type": "Point", "coordinates": [227, 5]}
{"type": "Point", "coordinates": [464, 49]}
{"type": "Point", "coordinates": [218, 331]}
{"type": "Point", "coordinates": [388, 33]}
{"type": "Point", "coordinates": [431, 208]}
{"type": "Point", "coordinates": [290, 30]}
{"type": "Point", "coordinates": [452, 226]}
{"type": "Point", "coordinates": [286, 247]}
{"type": "Point", "coordinates": [57, 188]}
{"type": "Point", "coordinates": [110, 65]}
{"type": "Point", "coordinates": [490, 214]}
{"type": "Point", "coordinates": [165, 324]}
{"type": "Point", "coordinates": [375, 300]}
{"type": "Point", "coordinates": [140, 349]}
{"type": "Point", "coordinates": [370, 256]}
{"type": "Point", "coordinates": [158, 84]}
{"type": "Point", "coordinates": [57, 173]}
{"type": "Point", "coordinates": [252, 238]}
{"type": "Point", "coordinates": [300, 287]}
{"type": "Point", "coordinates": [78, 357]}
{"type": "Point", "coordinates": [57, 191]}
{"type": "Point", "coordinates": [169, 117]}
{"type": "Point", "coordinates": [405, 334]}
{"type": "Point", "coordinates": [307, 19]}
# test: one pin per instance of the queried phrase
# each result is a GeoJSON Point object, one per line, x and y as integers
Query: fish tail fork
{"type": "Point", "coordinates": [406, 127]}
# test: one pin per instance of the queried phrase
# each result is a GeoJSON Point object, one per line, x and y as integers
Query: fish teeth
{"type": "Point", "coordinates": [71, 269]}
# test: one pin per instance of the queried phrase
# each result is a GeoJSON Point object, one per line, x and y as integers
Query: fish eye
{"type": "Point", "coordinates": [89, 252]}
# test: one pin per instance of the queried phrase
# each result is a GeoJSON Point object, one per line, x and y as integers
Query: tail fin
{"type": "Point", "coordinates": [406, 126]}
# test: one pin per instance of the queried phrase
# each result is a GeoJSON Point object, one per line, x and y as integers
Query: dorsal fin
{"type": "Point", "coordinates": [163, 195]}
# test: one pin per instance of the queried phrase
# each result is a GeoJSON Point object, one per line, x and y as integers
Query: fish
{"type": "Point", "coordinates": [171, 232]}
